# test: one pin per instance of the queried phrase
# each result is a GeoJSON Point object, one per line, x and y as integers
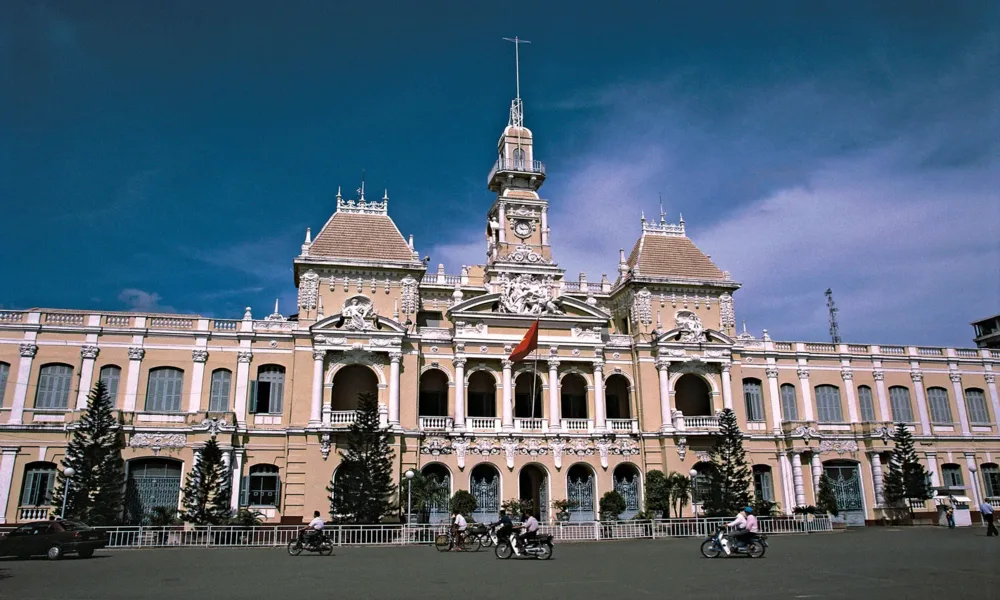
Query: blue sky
{"type": "Point", "coordinates": [169, 155]}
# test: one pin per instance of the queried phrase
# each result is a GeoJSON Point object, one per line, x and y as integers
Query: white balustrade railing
{"type": "Point", "coordinates": [530, 425]}
{"type": "Point", "coordinates": [118, 320]}
{"type": "Point", "coordinates": [577, 425]}
{"type": "Point", "coordinates": [399, 535]}
{"type": "Point", "coordinates": [892, 350]}
{"type": "Point", "coordinates": [63, 319]}
{"type": "Point", "coordinates": [170, 323]}
{"type": "Point", "coordinates": [11, 316]}
{"type": "Point", "coordinates": [342, 417]}
{"type": "Point", "coordinates": [225, 324]}
{"type": "Point", "coordinates": [623, 425]}
{"type": "Point", "coordinates": [483, 423]}
{"type": "Point", "coordinates": [33, 513]}
{"type": "Point", "coordinates": [701, 422]}
{"type": "Point", "coordinates": [435, 423]}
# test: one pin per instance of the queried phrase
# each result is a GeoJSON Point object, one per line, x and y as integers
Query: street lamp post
{"type": "Point", "coordinates": [409, 495]}
{"type": "Point", "coordinates": [68, 472]}
{"type": "Point", "coordinates": [694, 488]}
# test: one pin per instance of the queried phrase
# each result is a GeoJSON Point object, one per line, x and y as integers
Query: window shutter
{"type": "Point", "coordinates": [277, 492]}
{"type": "Point", "coordinates": [245, 490]}
{"type": "Point", "coordinates": [29, 483]}
{"type": "Point", "coordinates": [277, 393]}
{"type": "Point", "coordinates": [253, 396]}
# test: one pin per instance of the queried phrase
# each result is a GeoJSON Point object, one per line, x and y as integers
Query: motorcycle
{"type": "Point", "coordinates": [317, 543]}
{"type": "Point", "coordinates": [540, 547]}
{"type": "Point", "coordinates": [718, 543]}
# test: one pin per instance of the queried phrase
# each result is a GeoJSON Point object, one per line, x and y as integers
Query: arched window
{"type": "Point", "coordinates": [528, 403]}
{"type": "Point", "coordinates": [867, 404]}
{"type": "Point", "coordinates": [573, 390]}
{"type": "Point", "coordinates": [991, 480]}
{"type": "Point", "coordinates": [975, 401]}
{"type": "Point", "coordinates": [693, 396]}
{"type": "Point", "coordinates": [789, 410]}
{"type": "Point", "coordinates": [763, 485]}
{"type": "Point", "coordinates": [54, 382]}
{"type": "Point", "coordinates": [269, 389]}
{"type": "Point", "coordinates": [518, 158]}
{"type": "Point", "coordinates": [4, 374]}
{"type": "Point", "coordinates": [828, 408]}
{"type": "Point", "coordinates": [951, 475]}
{"type": "Point", "coordinates": [111, 375]}
{"type": "Point", "coordinates": [482, 395]}
{"type": "Point", "coordinates": [349, 383]}
{"type": "Point", "coordinates": [433, 401]}
{"type": "Point", "coordinates": [218, 395]}
{"type": "Point", "coordinates": [937, 399]}
{"type": "Point", "coordinates": [701, 488]}
{"type": "Point", "coordinates": [616, 397]}
{"type": "Point", "coordinates": [163, 392]}
{"type": "Point", "coordinates": [39, 478]}
{"type": "Point", "coordinates": [899, 400]}
{"type": "Point", "coordinates": [754, 399]}
{"type": "Point", "coordinates": [262, 487]}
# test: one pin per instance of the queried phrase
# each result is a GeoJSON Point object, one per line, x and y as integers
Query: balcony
{"type": "Point", "coordinates": [504, 165]}
{"type": "Point", "coordinates": [700, 423]}
{"type": "Point", "coordinates": [483, 423]}
{"type": "Point", "coordinates": [531, 425]}
{"type": "Point", "coordinates": [435, 423]}
{"type": "Point", "coordinates": [623, 425]}
{"type": "Point", "coordinates": [32, 513]}
{"type": "Point", "coordinates": [577, 425]}
{"type": "Point", "coordinates": [343, 417]}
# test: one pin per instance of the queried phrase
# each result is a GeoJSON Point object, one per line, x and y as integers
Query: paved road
{"type": "Point", "coordinates": [873, 563]}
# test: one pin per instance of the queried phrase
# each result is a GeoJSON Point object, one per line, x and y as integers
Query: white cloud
{"type": "Point", "coordinates": [142, 301]}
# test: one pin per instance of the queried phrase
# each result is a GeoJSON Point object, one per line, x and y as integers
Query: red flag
{"type": "Point", "coordinates": [528, 344]}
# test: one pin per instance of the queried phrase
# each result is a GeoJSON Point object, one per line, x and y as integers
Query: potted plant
{"type": "Point", "coordinates": [561, 508]}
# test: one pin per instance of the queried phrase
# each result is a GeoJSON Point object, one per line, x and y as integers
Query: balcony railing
{"type": "Point", "coordinates": [32, 513]}
{"type": "Point", "coordinates": [517, 166]}
{"type": "Point", "coordinates": [623, 425]}
{"type": "Point", "coordinates": [577, 425]}
{"type": "Point", "coordinates": [483, 423]}
{"type": "Point", "coordinates": [343, 417]}
{"type": "Point", "coordinates": [530, 425]}
{"type": "Point", "coordinates": [701, 422]}
{"type": "Point", "coordinates": [435, 423]}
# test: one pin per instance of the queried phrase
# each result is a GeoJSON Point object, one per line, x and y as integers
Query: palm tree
{"type": "Point", "coordinates": [680, 491]}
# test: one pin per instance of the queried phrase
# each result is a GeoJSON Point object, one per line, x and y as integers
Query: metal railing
{"type": "Point", "coordinates": [398, 535]}
{"type": "Point", "coordinates": [516, 165]}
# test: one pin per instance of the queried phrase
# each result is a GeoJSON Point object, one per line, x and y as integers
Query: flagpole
{"type": "Point", "coordinates": [534, 373]}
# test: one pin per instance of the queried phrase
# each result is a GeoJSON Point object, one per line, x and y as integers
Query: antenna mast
{"type": "Point", "coordinates": [834, 327]}
{"type": "Point", "coordinates": [516, 108]}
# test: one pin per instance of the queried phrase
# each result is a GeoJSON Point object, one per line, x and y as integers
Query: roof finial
{"type": "Point", "coordinates": [682, 218]}
{"type": "Point", "coordinates": [338, 193]}
{"type": "Point", "coordinates": [411, 241]}
{"type": "Point", "coordinates": [308, 236]}
{"type": "Point", "coordinates": [744, 325]}
{"type": "Point", "coordinates": [517, 107]}
{"type": "Point", "coordinates": [642, 215]}
{"type": "Point", "coordinates": [385, 196]}
{"type": "Point", "coordinates": [663, 215]}
{"type": "Point", "coordinates": [361, 190]}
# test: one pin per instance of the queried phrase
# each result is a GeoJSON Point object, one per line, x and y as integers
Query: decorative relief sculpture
{"type": "Point", "coordinates": [805, 432]}
{"type": "Point", "coordinates": [325, 445]}
{"type": "Point", "coordinates": [466, 328]}
{"type": "Point", "coordinates": [331, 340]}
{"type": "Point", "coordinates": [29, 350]}
{"type": "Point", "coordinates": [243, 356]}
{"type": "Point", "coordinates": [838, 446]}
{"type": "Point", "coordinates": [157, 441]}
{"type": "Point", "coordinates": [524, 254]}
{"type": "Point", "coordinates": [359, 357]}
{"type": "Point", "coordinates": [408, 302]}
{"type": "Point", "coordinates": [460, 446]}
{"type": "Point", "coordinates": [690, 325]}
{"type": "Point", "coordinates": [727, 316]}
{"type": "Point", "coordinates": [199, 356]}
{"type": "Point", "coordinates": [703, 456]}
{"type": "Point", "coordinates": [771, 372]}
{"type": "Point", "coordinates": [136, 353]}
{"type": "Point", "coordinates": [359, 314]}
{"type": "Point", "coordinates": [435, 446]}
{"type": "Point", "coordinates": [89, 351]}
{"type": "Point", "coordinates": [523, 295]}
{"type": "Point", "coordinates": [308, 290]}
{"type": "Point", "coordinates": [586, 333]}
{"type": "Point", "coordinates": [642, 308]}
{"type": "Point", "coordinates": [682, 447]}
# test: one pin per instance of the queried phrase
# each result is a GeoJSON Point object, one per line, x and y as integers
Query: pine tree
{"type": "Point", "coordinates": [907, 480]}
{"type": "Point", "coordinates": [730, 478]}
{"type": "Point", "coordinates": [826, 498]}
{"type": "Point", "coordinates": [95, 453]}
{"type": "Point", "coordinates": [364, 487]}
{"type": "Point", "coordinates": [208, 491]}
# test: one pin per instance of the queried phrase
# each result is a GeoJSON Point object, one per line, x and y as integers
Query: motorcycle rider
{"type": "Point", "coordinates": [743, 526]}
{"type": "Point", "coordinates": [314, 529]}
{"type": "Point", "coordinates": [504, 525]}
{"type": "Point", "coordinates": [529, 529]}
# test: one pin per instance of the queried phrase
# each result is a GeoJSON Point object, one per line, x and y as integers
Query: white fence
{"type": "Point", "coordinates": [397, 535]}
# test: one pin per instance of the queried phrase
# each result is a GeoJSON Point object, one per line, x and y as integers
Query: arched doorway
{"type": "Point", "coordinates": [438, 488]}
{"type": "Point", "coordinates": [580, 492]}
{"type": "Point", "coordinates": [617, 402]}
{"type": "Point", "coordinates": [573, 390]}
{"type": "Point", "coordinates": [482, 395]}
{"type": "Point", "coordinates": [701, 484]}
{"type": "Point", "coordinates": [627, 483]}
{"type": "Point", "coordinates": [433, 394]}
{"type": "Point", "coordinates": [533, 486]}
{"type": "Point", "coordinates": [693, 396]}
{"type": "Point", "coordinates": [846, 479]}
{"type": "Point", "coordinates": [484, 484]}
{"type": "Point", "coordinates": [348, 383]}
{"type": "Point", "coordinates": [152, 483]}
{"type": "Point", "coordinates": [528, 405]}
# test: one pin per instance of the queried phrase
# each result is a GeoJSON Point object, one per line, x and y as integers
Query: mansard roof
{"type": "Point", "coordinates": [664, 250]}
{"type": "Point", "coordinates": [361, 236]}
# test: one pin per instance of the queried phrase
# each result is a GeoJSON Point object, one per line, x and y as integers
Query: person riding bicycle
{"type": "Point", "coordinates": [529, 529]}
{"type": "Point", "coordinates": [458, 527]}
{"type": "Point", "coordinates": [744, 527]}
{"type": "Point", "coordinates": [315, 528]}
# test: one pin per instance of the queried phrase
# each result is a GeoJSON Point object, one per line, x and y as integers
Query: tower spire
{"type": "Point", "coordinates": [517, 107]}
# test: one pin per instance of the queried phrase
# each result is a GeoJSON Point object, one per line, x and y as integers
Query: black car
{"type": "Point", "coordinates": [52, 539]}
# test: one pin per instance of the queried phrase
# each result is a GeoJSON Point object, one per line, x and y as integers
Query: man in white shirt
{"type": "Point", "coordinates": [315, 526]}
{"type": "Point", "coordinates": [529, 529]}
{"type": "Point", "coordinates": [460, 525]}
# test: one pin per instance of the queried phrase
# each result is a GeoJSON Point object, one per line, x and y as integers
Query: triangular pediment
{"type": "Point", "coordinates": [569, 309]}
{"type": "Point", "coordinates": [342, 324]}
{"type": "Point", "coordinates": [712, 336]}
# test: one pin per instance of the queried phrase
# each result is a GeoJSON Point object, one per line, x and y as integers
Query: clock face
{"type": "Point", "coordinates": [522, 229]}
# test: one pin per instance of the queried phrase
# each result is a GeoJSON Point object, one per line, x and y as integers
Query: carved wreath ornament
{"type": "Point", "coordinates": [533, 447]}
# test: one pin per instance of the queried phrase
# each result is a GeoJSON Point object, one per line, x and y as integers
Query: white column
{"type": "Point", "coordinates": [817, 473]}
{"type": "Point", "coordinates": [883, 400]}
{"type": "Point", "coordinates": [237, 476]}
{"type": "Point", "coordinates": [800, 490]}
{"type": "Point", "coordinates": [877, 477]}
{"type": "Point", "coordinates": [991, 383]}
{"type": "Point", "coordinates": [316, 405]}
{"type": "Point", "coordinates": [7, 458]}
{"type": "Point", "coordinates": [787, 487]}
{"type": "Point", "coordinates": [663, 367]}
{"type": "Point", "coordinates": [918, 385]}
{"type": "Point", "coordinates": [459, 362]}
{"type": "Point", "coordinates": [600, 409]}
{"type": "Point", "coordinates": [852, 399]}
{"type": "Point", "coordinates": [774, 394]}
{"type": "Point", "coordinates": [727, 387]}
{"type": "Point", "coordinates": [555, 403]}
{"type": "Point", "coordinates": [508, 395]}
{"type": "Point", "coordinates": [28, 352]}
{"type": "Point", "coordinates": [932, 466]}
{"type": "Point", "coordinates": [963, 411]}
{"type": "Point", "coordinates": [807, 399]}
{"type": "Point", "coordinates": [197, 379]}
{"type": "Point", "coordinates": [394, 357]}
{"type": "Point", "coordinates": [135, 356]}
{"type": "Point", "coordinates": [88, 354]}
{"type": "Point", "coordinates": [545, 226]}
{"type": "Point", "coordinates": [970, 463]}
{"type": "Point", "coordinates": [503, 223]}
{"type": "Point", "coordinates": [243, 358]}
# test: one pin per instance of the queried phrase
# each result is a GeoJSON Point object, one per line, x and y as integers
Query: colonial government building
{"type": "Point", "coordinates": [632, 371]}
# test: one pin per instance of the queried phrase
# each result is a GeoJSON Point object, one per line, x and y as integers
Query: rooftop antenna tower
{"type": "Point", "coordinates": [834, 327]}
{"type": "Point", "coordinates": [516, 107]}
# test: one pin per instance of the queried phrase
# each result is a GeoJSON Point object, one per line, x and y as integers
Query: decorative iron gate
{"type": "Point", "coordinates": [629, 490]}
{"type": "Point", "coordinates": [543, 500]}
{"type": "Point", "coordinates": [437, 509]}
{"type": "Point", "coordinates": [847, 488]}
{"type": "Point", "coordinates": [487, 494]}
{"type": "Point", "coordinates": [580, 493]}
{"type": "Point", "coordinates": [143, 494]}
